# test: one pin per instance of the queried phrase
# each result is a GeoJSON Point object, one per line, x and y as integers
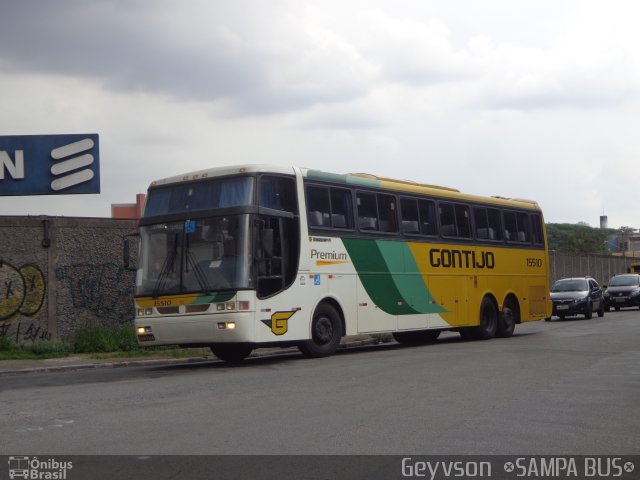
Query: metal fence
{"type": "Point", "coordinates": [600, 267]}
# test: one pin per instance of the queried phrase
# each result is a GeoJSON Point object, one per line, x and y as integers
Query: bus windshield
{"type": "Point", "coordinates": [209, 195]}
{"type": "Point", "coordinates": [201, 255]}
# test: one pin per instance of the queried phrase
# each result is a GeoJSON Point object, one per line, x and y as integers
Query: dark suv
{"type": "Point", "coordinates": [623, 291]}
{"type": "Point", "coordinates": [577, 296]}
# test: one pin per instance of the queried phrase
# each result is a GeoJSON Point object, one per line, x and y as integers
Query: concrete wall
{"type": "Point", "coordinates": [60, 275]}
{"type": "Point", "coordinates": [600, 267]}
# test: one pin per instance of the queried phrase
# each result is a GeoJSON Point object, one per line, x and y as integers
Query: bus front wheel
{"type": "Point", "coordinates": [326, 332]}
{"type": "Point", "coordinates": [231, 352]}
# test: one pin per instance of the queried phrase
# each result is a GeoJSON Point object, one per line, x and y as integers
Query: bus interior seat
{"type": "Point", "coordinates": [486, 233]}
{"type": "Point", "coordinates": [448, 230]}
{"type": "Point", "coordinates": [318, 218]}
{"type": "Point", "coordinates": [315, 218]}
{"type": "Point", "coordinates": [339, 221]}
{"type": "Point", "coordinates": [410, 226]}
{"type": "Point", "coordinates": [368, 223]}
{"type": "Point", "coordinates": [522, 237]}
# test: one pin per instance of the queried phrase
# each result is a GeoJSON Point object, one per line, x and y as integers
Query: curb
{"type": "Point", "coordinates": [166, 361]}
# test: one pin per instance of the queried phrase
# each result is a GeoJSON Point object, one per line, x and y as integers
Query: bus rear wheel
{"type": "Point", "coordinates": [488, 322]}
{"type": "Point", "coordinates": [231, 352]}
{"type": "Point", "coordinates": [508, 319]}
{"type": "Point", "coordinates": [326, 332]}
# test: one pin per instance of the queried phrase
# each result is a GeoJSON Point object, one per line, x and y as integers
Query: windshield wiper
{"type": "Point", "coordinates": [167, 266]}
{"type": "Point", "coordinates": [200, 277]}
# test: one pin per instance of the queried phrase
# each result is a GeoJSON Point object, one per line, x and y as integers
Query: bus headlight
{"type": "Point", "coordinates": [226, 325]}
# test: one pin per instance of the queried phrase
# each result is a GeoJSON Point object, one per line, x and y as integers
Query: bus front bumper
{"type": "Point", "coordinates": [195, 330]}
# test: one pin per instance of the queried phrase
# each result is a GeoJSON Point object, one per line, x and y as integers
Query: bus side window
{"type": "Point", "coordinates": [463, 222]}
{"type": "Point", "coordinates": [341, 208]}
{"type": "Point", "coordinates": [409, 211]}
{"type": "Point", "coordinates": [367, 211]}
{"type": "Point", "coordinates": [538, 238]}
{"type": "Point", "coordinates": [278, 193]}
{"type": "Point", "coordinates": [447, 220]}
{"type": "Point", "coordinates": [487, 223]}
{"type": "Point", "coordinates": [428, 222]}
{"type": "Point", "coordinates": [510, 227]}
{"type": "Point", "coordinates": [454, 220]}
{"type": "Point", "coordinates": [318, 206]}
{"type": "Point", "coordinates": [387, 217]}
{"type": "Point", "coordinates": [481, 223]}
{"type": "Point", "coordinates": [494, 223]}
{"type": "Point", "coordinates": [524, 228]}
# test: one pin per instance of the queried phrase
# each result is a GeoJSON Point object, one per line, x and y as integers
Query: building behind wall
{"type": "Point", "coordinates": [129, 211]}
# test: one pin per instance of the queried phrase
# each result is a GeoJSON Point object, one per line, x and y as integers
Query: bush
{"type": "Point", "coordinates": [102, 339]}
{"type": "Point", "coordinates": [5, 344]}
{"type": "Point", "coordinates": [50, 349]}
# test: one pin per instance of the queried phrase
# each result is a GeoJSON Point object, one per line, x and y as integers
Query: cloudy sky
{"type": "Point", "coordinates": [530, 98]}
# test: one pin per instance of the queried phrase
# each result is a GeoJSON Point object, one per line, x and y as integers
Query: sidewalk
{"type": "Point", "coordinates": [84, 361]}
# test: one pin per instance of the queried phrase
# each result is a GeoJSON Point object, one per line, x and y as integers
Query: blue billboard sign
{"type": "Point", "coordinates": [49, 164]}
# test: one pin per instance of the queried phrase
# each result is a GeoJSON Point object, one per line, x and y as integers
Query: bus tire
{"type": "Point", "coordinates": [508, 319]}
{"type": "Point", "coordinates": [326, 332]}
{"type": "Point", "coordinates": [488, 320]}
{"type": "Point", "coordinates": [417, 337]}
{"type": "Point", "coordinates": [231, 352]}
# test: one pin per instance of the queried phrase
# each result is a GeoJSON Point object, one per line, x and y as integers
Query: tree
{"type": "Point", "coordinates": [566, 237]}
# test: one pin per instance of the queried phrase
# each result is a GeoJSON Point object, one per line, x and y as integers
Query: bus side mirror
{"type": "Point", "coordinates": [126, 252]}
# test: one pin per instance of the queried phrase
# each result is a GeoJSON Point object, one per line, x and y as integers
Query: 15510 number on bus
{"type": "Point", "coordinates": [534, 262]}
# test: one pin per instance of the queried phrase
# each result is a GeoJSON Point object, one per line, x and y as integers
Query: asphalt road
{"type": "Point", "coordinates": [562, 387]}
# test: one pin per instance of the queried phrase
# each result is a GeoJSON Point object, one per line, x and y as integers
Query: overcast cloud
{"type": "Point", "coordinates": [529, 99]}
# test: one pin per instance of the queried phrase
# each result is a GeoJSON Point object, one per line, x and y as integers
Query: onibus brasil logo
{"type": "Point", "coordinates": [36, 469]}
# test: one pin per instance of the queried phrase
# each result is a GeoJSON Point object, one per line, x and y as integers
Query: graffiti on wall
{"type": "Point", "coordinates": [22, 293]}
{"type": "Point", "coordinates": [105, 290]}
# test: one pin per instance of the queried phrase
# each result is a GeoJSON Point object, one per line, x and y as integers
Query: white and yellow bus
{"type": "Point", "coordinates": [243, 257]}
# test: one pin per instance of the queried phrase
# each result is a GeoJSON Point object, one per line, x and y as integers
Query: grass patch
{"type": "Point", "coordinates": [102, 339]}
{"type": "Point", "coordinates": [99, 342]}
{"type": "Point", "coordinates": [39, 350]}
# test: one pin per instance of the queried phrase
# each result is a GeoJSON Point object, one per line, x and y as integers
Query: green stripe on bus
{"type": "Point", "coordinates": [407, 276]}
{"type": "Point", "coordinates": [390, 276]}
{"type": "Point", "coordinates": [344, 179]}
